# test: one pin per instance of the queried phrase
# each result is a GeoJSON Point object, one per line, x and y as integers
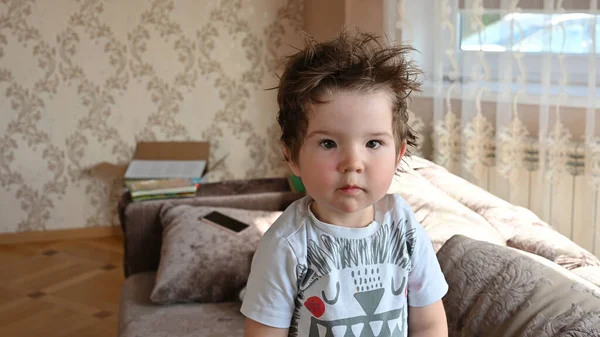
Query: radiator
{"type": "Point", "coordinates": [567, 201]}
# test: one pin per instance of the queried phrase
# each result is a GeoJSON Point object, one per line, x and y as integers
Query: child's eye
{"type": "Point", "coordinates": [327, 143]}
{"type": "Point", "coordinates": [373, 144]}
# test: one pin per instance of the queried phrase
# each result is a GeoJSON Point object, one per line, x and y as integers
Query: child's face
{"type": "Point", "coordinates": [348, 157]}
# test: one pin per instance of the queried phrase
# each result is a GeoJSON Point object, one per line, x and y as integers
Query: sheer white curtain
{"type": "Point", "coordinates": [511, 101]}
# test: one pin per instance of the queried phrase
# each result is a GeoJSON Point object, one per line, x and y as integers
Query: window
{"type": "Point", "coordinates": [542, 37]}
{"type": "Point", "coordinates": [567, 41]}
{"type": "Point", "coordinates": [568, 33]}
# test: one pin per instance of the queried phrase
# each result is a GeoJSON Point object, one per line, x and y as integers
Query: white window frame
{"type": "Point", "coordinates": [576, 66]}
{"type": "Point", "coordinates": [422, 24]}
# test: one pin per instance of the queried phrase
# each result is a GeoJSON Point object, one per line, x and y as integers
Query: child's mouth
{"type": "Point", "coordinates": [351, 189]}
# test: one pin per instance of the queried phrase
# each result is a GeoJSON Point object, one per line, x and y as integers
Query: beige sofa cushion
{"type": "Point", "coordinates": [499, 291]}
{"type": "Point", "coordinates": [590, 273]}
{"type": "Point", "coordinates": [441, 215]}
{"type": "Point", "coordinates": [544, 241]}
{"type": "Point", "coordinates": [203, 262]}
{"type": "Point", "coordinates": [520, 228]}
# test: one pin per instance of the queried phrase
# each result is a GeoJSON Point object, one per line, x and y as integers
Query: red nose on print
{"type": "Point", "coordinates": [315, 305]}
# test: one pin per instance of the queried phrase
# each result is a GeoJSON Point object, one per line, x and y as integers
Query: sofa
{"type": "Point", "coordinates": [510, 274]}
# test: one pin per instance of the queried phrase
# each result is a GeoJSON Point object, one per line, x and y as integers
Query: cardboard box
{"type": "Point", "coordinates": [160, 160]}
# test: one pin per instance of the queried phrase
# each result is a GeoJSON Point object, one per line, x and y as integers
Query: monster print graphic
{"type": "Point", "coordinates": [355, 287]}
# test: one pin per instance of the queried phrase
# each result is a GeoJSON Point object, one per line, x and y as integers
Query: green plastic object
{"type": "Point", "coordinates": [296, 184]}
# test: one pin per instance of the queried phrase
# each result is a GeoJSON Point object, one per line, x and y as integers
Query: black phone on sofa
{"type": "Point", "coordinates": [225, 221]}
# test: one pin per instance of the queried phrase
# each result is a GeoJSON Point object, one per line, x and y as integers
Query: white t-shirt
{"type": "Point", "coordinates": [321, 280]}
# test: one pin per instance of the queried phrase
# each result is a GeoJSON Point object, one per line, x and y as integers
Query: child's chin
{"type": "Point", "coordinates": [353, 207]}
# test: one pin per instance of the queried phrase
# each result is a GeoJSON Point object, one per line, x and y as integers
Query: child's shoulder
{"type": "Point", "coordinates": [291, 220]}
{"type": "Point", "coordinates": [394, 202]}
{"type": "Point", "coordinates": [398, 210]}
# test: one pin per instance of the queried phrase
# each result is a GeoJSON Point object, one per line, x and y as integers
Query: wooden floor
{"type": "Point", "coordinates": [67, 288]}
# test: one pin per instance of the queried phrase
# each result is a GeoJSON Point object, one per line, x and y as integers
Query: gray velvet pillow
{"type": "Point", "coordinates": [497, 291]}
{"type": "Point", "coordinates": [204, 262]}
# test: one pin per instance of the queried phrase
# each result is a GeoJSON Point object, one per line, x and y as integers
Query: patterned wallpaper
{"type": "Point", "coordinates": [83, 80]}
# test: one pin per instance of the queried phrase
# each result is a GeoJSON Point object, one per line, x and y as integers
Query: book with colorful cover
{"type": "Point", "coordinates": [163, 196]}
{"type": "Point", "coordinates": [141, 188]}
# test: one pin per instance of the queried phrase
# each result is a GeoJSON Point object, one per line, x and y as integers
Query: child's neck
{"type": "Point", "coordinates": [358, 219]}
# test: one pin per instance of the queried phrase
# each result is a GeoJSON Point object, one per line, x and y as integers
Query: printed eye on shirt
{"type": "Point", "coordinates": [355, 287]}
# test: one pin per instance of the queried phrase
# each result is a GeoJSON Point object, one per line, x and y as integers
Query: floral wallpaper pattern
{"type": "Point", "coordinates": [84, 80]}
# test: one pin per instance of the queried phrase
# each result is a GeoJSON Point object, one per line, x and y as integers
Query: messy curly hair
{"type": "Point", "coordinates": [353, 61]}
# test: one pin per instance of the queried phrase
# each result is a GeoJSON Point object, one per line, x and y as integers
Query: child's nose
{"type": "Point", "coordinates": [351, 162]}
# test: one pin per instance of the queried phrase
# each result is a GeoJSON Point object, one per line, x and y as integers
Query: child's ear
{"type": "Point", "coordinates": [288, 157]}
{"type": "Point", "coordinates": [401, 154]}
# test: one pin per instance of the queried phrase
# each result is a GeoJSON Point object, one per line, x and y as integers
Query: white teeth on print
{"type": "Point", "coordinates": [357, 329]}
{"type": "Point", "coordinates": [339, 331]}
{"type": "Point", "coordinates": [322, 330]}
{"type": "Point", "coordinates": [393, 323]}
{"type": "Point", "coordinates": [376, 327]}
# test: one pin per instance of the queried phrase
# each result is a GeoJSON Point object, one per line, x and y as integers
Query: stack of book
{"type": "Point", "coordinates": [166, 169]}
{"type": "Point", "coordinates": [162, 188]}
